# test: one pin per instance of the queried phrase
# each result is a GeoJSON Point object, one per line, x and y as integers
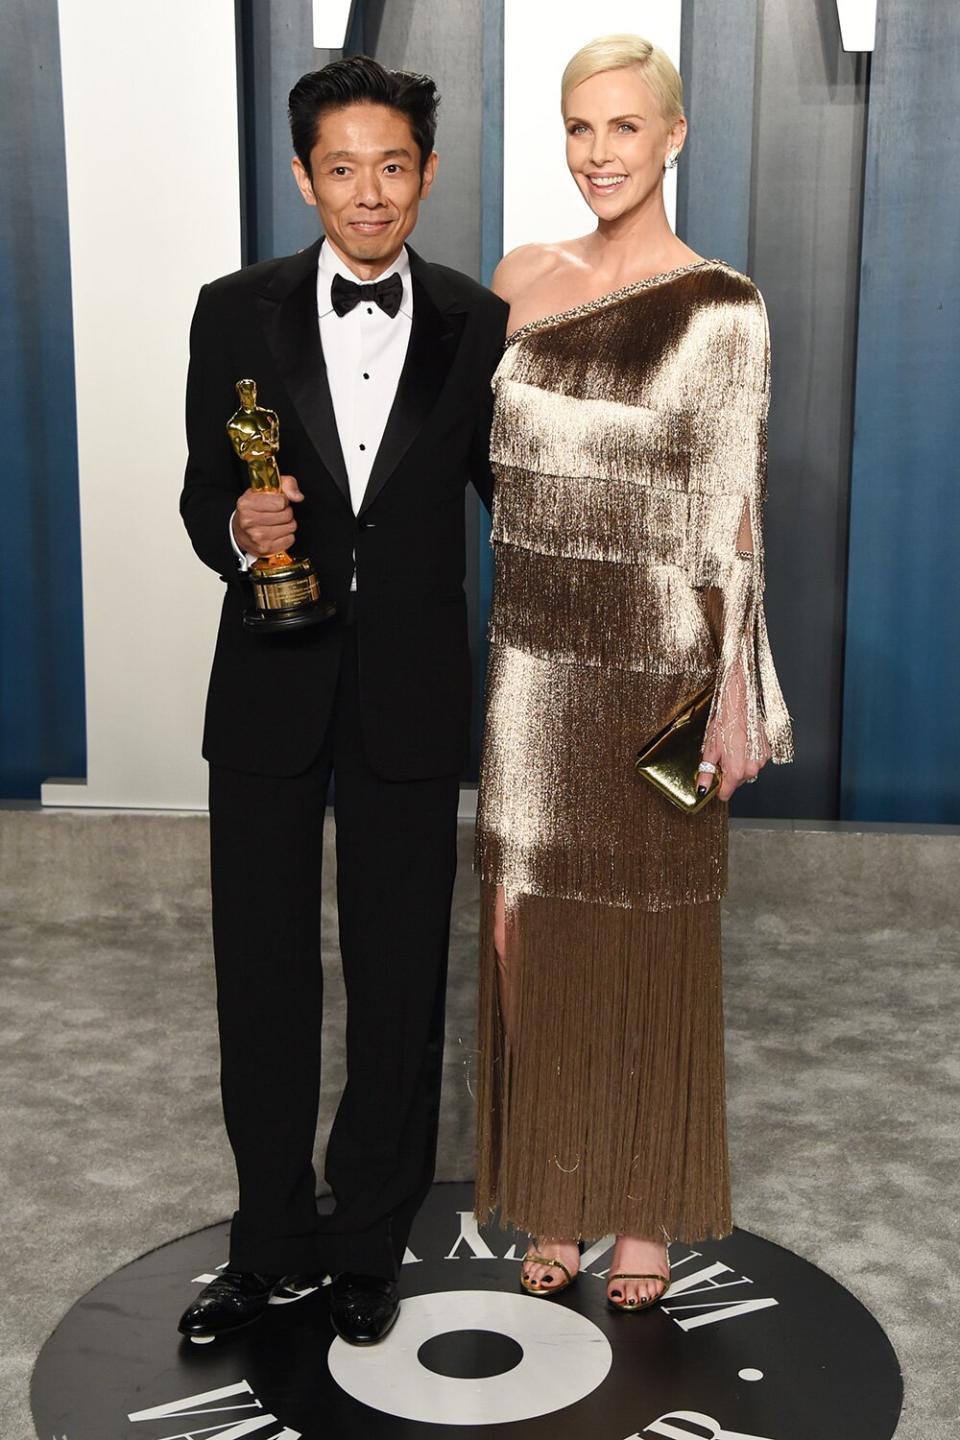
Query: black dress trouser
{"type": "Point", "coordinates": [396, 860]}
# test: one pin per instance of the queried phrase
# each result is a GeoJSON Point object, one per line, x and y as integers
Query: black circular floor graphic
{"type": "Point", "coordinates": [753, 1343]}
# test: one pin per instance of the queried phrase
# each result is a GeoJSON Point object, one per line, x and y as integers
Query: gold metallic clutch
{"type": "Point", "coordinates": [670, 760]}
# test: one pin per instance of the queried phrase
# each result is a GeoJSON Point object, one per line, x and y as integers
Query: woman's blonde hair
{"type": "Point", "coordinates": [616, 52]}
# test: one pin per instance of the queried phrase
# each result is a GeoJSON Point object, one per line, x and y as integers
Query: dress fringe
{"type": "Point", "coordinates": [602, 1110]}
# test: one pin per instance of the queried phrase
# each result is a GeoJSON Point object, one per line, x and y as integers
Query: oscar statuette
{"type": "Point", "coordinates": [286, 592]}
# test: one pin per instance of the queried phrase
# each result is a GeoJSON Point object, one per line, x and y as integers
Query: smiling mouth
{"type": "Point", "coordinates": [371, 225]}
{"type": "Point", "coordinates": [605, 184]}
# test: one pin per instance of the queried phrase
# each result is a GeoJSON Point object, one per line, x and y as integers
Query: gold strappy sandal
{"type": "Point", "coordinates": [534, 1287]}
{"type": "Point", "coordinates": [633, 1307]}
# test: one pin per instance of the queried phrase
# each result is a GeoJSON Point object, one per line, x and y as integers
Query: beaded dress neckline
{"type": "Point", "coordinates": [588, 307]}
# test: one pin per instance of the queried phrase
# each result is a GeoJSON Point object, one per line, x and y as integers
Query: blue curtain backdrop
{"type": "Point", "coordinates": [41, 637]}
{"type": "Point", "coordinates": [902, 674]}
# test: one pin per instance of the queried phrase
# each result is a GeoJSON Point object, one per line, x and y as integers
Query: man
{"type": "Point", "coordinates": [379, 367]}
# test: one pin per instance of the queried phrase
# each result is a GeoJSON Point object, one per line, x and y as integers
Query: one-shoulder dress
{"type": "Point", "coordinates": [629, 443]}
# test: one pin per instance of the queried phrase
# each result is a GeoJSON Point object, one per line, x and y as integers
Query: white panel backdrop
{"type": "Point", "coordinates": [540, 200]}
{"type": "Point", "coordinates": [150, 117]}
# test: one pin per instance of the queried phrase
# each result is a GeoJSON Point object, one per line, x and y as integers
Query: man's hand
{"type": "Point", "coordinates": [264, 522]}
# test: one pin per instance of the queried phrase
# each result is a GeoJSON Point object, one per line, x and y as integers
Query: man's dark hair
{"type": "Point", "coordinates": [359, 80]}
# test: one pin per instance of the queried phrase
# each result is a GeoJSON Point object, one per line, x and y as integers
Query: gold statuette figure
{"type": "Point", "coordinates": [285, 589]}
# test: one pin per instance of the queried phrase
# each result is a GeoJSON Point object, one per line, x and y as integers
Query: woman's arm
{"type": "Point", "coordinates": [748, 723]}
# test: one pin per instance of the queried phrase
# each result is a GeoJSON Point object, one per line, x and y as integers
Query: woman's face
{"type": "Point", "coordinates": [617, 141]}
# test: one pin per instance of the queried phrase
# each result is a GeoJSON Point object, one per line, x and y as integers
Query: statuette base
{"type": "Point", "coordinates": [285, 597]}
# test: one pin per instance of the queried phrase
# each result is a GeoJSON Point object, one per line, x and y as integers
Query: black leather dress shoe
{"type": "Point", "coordinates": [236, 1298]}
{"type": "Point", "coordinates": [363, 1308]}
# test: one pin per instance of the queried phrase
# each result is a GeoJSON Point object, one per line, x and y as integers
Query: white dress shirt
{"type": "Point", "coordinates": [364, 353]}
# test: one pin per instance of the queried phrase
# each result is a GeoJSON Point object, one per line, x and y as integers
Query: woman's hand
{"type": "Point", "coordinates": [725, 744]}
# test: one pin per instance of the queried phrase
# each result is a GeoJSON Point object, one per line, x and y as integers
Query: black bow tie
{"type": "Point", "coordinates": [344, 294]}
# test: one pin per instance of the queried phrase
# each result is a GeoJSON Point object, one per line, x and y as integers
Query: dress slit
{"type": "Point", "coordinates": [603, 1110]}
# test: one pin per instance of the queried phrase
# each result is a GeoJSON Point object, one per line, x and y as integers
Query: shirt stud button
{"type": "Point", "coordinates": [365, 375]}
{"type": "Point", "coordinates": [363, 447]}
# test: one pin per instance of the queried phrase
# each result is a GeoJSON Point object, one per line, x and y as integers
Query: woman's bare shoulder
{"type": "Point", "coordinates": [529, 265]}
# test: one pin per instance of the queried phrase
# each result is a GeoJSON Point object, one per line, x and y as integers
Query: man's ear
{"type": "Point", "coordinates": [304, 183]}
{"type": "Point", "coordinates": [429, 174]}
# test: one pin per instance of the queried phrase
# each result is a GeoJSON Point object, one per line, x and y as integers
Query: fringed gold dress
{"type": "Point", "coordinates": [629, 449]}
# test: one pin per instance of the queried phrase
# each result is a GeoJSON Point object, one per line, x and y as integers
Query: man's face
{"type": "Point", "coordinates": [366, 184]}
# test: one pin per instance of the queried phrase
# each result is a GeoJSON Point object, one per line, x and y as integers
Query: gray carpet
{"type": "Point", "coordinates": [842, 1006]}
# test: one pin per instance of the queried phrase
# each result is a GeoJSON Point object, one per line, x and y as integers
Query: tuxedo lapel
{"type": "Point", "coordinates": [288, 311]}
{"type": "Point", "coordinates": [434, 336]}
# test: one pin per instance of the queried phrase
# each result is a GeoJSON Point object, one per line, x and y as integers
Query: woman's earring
{"type": "Point", "coordinates": [671, 161]}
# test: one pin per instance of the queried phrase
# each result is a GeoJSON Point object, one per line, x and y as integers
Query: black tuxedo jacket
{"type": "Point", "coordinates": [270, 696]}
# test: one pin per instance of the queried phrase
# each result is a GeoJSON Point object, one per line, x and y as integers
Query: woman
{"type": "Point", "coordinates": [629, 451]}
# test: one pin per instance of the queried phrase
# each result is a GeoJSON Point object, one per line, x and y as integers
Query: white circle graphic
{"type": "Point", "coordinates": [565, 1358]}
{"type": "Point", "coordinates": [750, 1374]}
